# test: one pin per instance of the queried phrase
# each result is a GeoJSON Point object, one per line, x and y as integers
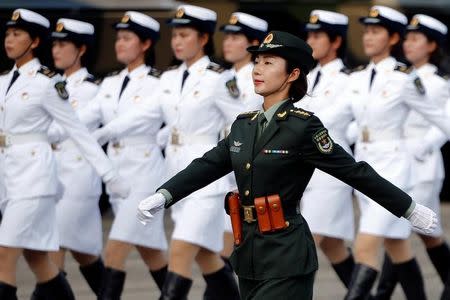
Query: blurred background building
{"type": "Point", "coordinates": [287, 15]}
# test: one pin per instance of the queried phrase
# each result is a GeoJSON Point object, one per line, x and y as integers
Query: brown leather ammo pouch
{"type": "Point", "coordinates": [262, 214]}
{"type": "Point", "coordinates": [233, 208]}
{"type": "Point", "coordinates": [276, 212]}
{"type": "Point", "coordinates": [270, 213]}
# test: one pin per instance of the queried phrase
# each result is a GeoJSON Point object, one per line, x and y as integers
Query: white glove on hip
{"type": "Point", "coordinates": [102, 135]}
{"type": "Point", "coordinates": [117, 187]}
{"type": "Point", "coordinates": [423, 219]}
{"type": "Point", "coordinates": [148, 207]}
{"type": "Point", "coordinates": [421, 151]}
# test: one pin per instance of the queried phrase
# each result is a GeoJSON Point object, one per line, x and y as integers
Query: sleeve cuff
{"type": "Point", "coordinates": [167, 195]}
{"type": "Point", "coordinates": [410, 210]}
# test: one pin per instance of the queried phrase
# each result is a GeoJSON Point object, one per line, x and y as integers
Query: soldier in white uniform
{"type": "Point", "coordinates": [32, 97]}
{"type": "Point", "coordinates": [380, 98]}
{"type": "Point", "coordinates": [196, 100]}
{"type": "Point", "coordinates": [136, 154]}
{"type": "Point", "coordinates": [77, 212]}
{"type": "Point", "coordinates": [421, 47]}
{"type": "Point", "coordinates": [331, 226]}
{"type": "Point", "coordinates": [242, 31]}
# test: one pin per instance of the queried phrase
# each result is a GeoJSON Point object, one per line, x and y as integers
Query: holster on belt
{"type": "Point", "coordinates": [233, 208]}
{"type": "Point", "coordinates": [270, 213]}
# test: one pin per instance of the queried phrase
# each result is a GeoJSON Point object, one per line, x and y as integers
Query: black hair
{"type": "Point", "coordinates": [42, 51]}
{"type": "Point", "coordinates": [341, 51]}
{"type": "Point", "coordinates": [87, 58]}
{"type": "Point", "coordinates": [396, 49]}
{"type": "Point", "coordinates": [437, 55]}
{"type": "Point", "coordinates": [299, 87]}
{"type": "Point", "coordinates": [209, 48]}
{"type": "Point", "coordinates": [150, 54]}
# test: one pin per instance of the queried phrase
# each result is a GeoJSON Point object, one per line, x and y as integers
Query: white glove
{"type": "Point", "coordinates": [102, 135]}
{"type": "Point", "coordinates": [118, 187]}
{"type": "Point", "coordinates": [162, 137]}
{"type": "Point", "coordinates": [56, 133]}
{"type": "Point", "coordinates": [421, 151]}
{"type": "Point", "coordinates": [148, 207]}
{"type": "Point", "coordinates": [423, 219]}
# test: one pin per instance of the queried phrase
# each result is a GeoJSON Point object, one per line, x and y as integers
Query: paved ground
{"type": "Point", "coordinates": [139, 286]}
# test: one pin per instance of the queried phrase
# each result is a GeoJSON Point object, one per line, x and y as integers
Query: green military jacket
{"type": "Point", "coordinates": [281, 162]}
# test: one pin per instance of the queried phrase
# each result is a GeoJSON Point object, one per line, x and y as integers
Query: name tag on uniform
{"type": "Point", "coordinates": [236, 147]}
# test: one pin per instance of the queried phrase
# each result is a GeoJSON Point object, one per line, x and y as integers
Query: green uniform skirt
{"type": "Point", "coordinates": [292, 288]}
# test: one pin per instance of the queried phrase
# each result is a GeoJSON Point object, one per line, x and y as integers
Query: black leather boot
{"type": "Point", "coordinates": [361, 283]}
{"type": "Point", "coordinates": [176, 287]}
{"type": "Point", "coordinates": [159, 276]}
{"type": "Point", "coordinates": [209, 290]}
{"type": "Point", "coordinates": [7, 291]}
{"type": "Point", "coordinates": [344, 269]}
{"type": "Point", "coordinates": [112, 284]}
{"type": "Point", "coordinates": [57, 288]}
{"type": "Point", "coordinates": [221, 285]}
{"type": "Point", "coordinates": [93, 273]}
{"type": "Point", "coordinates": [388, 281]}
{"type": "Point", "coordinates": [411, 280]}
{"type": "Point", "coordinates": [446, 292]}
{"type": "Point", "coordinates": [440, 258]}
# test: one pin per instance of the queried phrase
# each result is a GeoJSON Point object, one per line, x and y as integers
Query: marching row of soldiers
{"type": "Point", "coordinates": [52, 164]}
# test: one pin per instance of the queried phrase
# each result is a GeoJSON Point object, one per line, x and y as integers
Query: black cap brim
{"type": "Point", "coordinates": [304, 60]}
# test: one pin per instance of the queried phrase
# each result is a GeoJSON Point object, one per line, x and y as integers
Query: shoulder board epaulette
{"type": "Point", "coordinates": [113, 73]}
{"type": "Point", "coordinates": [346, 70]}
{"type": "Point", "coordinates": [300, 113]}
{"type": "Point", "coordinates": [402, 68]}
{"type": "Point", "coordinates": [155, 73]}
{"type": "Point", "coordinates": [359, 68]}
{"type": "Point", "coordinates": [215, 67]}
{"type": "Point", "coordinates": [4, 72]}
{"type": "Point", "coordinates": [92, 79]}
{"type": "Point", "coordinates": [169, 68]}
{"type": "Point", "coordinates": [47, 72]}
{"type": "Point", "coordinates": [443, 74]}
{"type": "Point", "coordinates": [248, 114]}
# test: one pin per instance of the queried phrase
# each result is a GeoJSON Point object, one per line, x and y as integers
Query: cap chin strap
{"type": "Point", "coordinates": [24, 52]}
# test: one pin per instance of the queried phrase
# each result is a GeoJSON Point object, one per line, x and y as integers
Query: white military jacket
{"type": "Point", "coordinates": [194, 115]}
{"type": "Point", "coordinates": [134, 153]}
{"type": "Point", "coordinates": [77, 174]}
{"type": "Point", "coordinates": [380, 113]}
{"type": "Point", "coordinates": [26, 112]}
{"type": "Point", "coordinates": [333, 80]}
{"type": "Point", "coordinates": [417, 128]}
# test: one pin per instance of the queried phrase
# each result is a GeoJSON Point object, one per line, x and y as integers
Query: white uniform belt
{"type": "Point", "coordinates": [178, 138]}
{"type": "Point", "coordinates": [372, 136]}
{"type": "Point", "coordinates": [134, 140]}
{"type": "Point", "coordinates": [7, 140]}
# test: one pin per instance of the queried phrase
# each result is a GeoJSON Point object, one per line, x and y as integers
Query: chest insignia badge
{"type": "Point", "coordinates": [236, 148]}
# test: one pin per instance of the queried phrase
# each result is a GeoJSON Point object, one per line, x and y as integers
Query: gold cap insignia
{"type": "Point", "coordinates": [59, 27]}
{"type": "Point", "coordinates": [179, 13]}
{"type": "Point", "coordinates": [414, 21]}
{"type": "Point", "coordinates": [125, 19]}
{"type": "Point", "coordinates": [15, 16]}
{"type": "Point", "coordinates": [268, 38]}
{"type": "Point", "coordinates": [233, 20]}
{"type": "Point", "coordinates": [374, 13]}
{"type": "Point", "coordinates": [313, 19]}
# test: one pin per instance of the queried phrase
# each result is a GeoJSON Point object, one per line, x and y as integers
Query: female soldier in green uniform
{"type": "Point", "coordinates": [274, 152]}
